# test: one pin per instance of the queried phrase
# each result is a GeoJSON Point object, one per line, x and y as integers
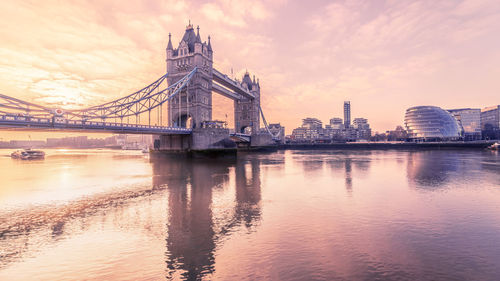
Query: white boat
{"type": "Point", "coordinates": [495, 146]}
{"type": "Point", "coordinates": [28, 154]}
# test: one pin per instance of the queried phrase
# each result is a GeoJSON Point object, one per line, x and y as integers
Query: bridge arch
{"type": "Point", "coordinates": [246, 130]}
{"type": "Point", "coordinates": [184, 120]}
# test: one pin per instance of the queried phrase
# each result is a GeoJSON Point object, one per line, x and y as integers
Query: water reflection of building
{"type": "Point", "coordinates": [491, 164]}
{"type": "Point", "coordinates": [348, 174]}
{"type": "Point", "coordinates": [351, 164]}
{"type": "Point", "coordinates": [359, 162]}
{"type": "Point", "coordinates": [193, 231]}
{"type": "Point", "coordinates": [434, 169]}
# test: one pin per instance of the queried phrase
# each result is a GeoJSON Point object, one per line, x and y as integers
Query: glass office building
{"type": "Point", "coordinates": [431, 123]}
{"type": "Point", "coordinates": [490, 122]}
{"type": "Point", "coordinates": [470, 119]}
{"type": "Point", "coordinates": [490, 117]}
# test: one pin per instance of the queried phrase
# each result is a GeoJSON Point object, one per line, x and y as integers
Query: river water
{"type": "Point", "coordinates": [292, 215]}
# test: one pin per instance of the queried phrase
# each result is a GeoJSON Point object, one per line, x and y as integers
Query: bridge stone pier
{"type": "Point", "coordinates": [191, 108]}
{"type": "Point", "coordinates": [199, 140]}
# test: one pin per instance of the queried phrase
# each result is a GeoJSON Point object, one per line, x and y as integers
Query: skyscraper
{"type": "Point", "coordinates": [347, 114]}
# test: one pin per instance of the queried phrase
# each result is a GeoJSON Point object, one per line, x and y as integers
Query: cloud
{"type": "Point", "coordinates": [79, 54]}
{"type": "Point", "coordinates": [473, 8]}
{"type": "Point", "coordinates": [215, 13]}
{"type": "Point", "coordinates": [237, 13]}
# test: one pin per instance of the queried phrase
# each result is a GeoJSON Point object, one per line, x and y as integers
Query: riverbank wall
{"type": "Point", "coordinates": [388, 146]}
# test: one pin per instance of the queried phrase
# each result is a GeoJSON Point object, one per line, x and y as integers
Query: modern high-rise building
{"type": "Point", "coordinates": [347, 114]}
{"type": "Point", "coordinates": [470, 119]}
{"type": "Point", "coordinates": [490, 117]}
{"type": "Point", "coordinates": [431, 123]}
{"type": "Point", "coordinates": [311, 129]}
{"type": "Point", "coordinates": [334, 129]}
{"type": "Point", "coordinates": [362, 127]}
{"type": "Point", "coordinates": [490, 122]}
{"type": "Point", "coordinates": [336, 123]}
{"type": "Point", "coordinates": [312, 123]}
{"type": "Point", "coordinates": [361, 123]}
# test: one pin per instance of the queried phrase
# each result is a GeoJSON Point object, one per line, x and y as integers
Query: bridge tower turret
{"type": "Point", "coordinates": [194, 105]}
{"type": "Point", "coordinates": [246, 111]}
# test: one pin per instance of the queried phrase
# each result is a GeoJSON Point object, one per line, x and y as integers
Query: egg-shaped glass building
{"type": "Point", "coordinates": [431, 123]}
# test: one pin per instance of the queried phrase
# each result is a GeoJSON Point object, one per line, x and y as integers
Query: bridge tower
{"type": "Point", "coordinates": [246, 111]}
{"type": "Point", "coordinates": [194, 105]}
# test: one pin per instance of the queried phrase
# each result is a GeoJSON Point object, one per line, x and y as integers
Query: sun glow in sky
{"type": "Point", "coordinates": [310, 56]}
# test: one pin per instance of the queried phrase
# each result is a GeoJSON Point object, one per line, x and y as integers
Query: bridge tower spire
{"type": "Point", "coordinates": [194, 105]}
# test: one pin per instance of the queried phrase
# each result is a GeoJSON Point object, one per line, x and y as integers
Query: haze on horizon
{"type": "Point", "coordinates": [310, 56]}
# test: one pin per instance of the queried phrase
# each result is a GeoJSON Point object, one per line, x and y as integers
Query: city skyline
{"type": "Point", "coordinates": [383, 58]}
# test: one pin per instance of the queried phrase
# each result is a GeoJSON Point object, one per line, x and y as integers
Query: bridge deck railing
{"type": "Point", "coordinates": [26, 121]}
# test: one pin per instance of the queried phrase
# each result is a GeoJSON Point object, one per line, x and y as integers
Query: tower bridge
{"type": "Point", "coordinates": [184, 92]}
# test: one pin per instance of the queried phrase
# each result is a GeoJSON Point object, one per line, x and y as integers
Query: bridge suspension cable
{"type": "Point", "coordinates": [139, 102]}
{"type": "Point", "coordinates": [144, 100]}
{"type": "Point", "coordinates": [275, 137]}
{"type": "Point", "coordinates": [13, 106]}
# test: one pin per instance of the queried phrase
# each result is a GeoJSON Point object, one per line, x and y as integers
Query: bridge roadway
{"type": "Point", "coordinates": [22, 122]}
{"type": "Point", "coordinates": [238, 137]}
{"type": "Point", "coordinates": [47, 124]}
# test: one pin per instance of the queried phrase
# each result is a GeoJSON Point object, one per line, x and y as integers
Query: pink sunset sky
{"type": "Point", "coordinates": [310, 56]}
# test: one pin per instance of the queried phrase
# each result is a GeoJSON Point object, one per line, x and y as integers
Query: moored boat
{"type": "Point", "coordinates": [28, 154]}
{"type": "Point", "coordinates": [495, 146]}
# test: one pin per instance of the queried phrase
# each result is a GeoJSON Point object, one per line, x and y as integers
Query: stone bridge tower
{"type": "Point", "coordinates": [194, 105]}
{"type": "Point", "coordinates": [246, 111]}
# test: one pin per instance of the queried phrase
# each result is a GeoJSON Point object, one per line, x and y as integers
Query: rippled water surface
{"type": "Point", "coordinates": [294, 215]}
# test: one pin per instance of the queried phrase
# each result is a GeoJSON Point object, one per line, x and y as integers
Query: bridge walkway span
{"type": "Point", "coordinates": [49, 124]}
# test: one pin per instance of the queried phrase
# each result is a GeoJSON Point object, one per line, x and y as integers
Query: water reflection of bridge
{"type": "Point", "coordinates": [194, 226]}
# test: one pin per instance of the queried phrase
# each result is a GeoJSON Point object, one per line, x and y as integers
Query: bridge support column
{"type": "Point", "coordinates": [262, 139]}
{"type": "Point", "coordinates": [173, 143]}
{"type": "Point", "coordinates": [212, 142]}
{"type": "Point", "coordinates": [211, 138]}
